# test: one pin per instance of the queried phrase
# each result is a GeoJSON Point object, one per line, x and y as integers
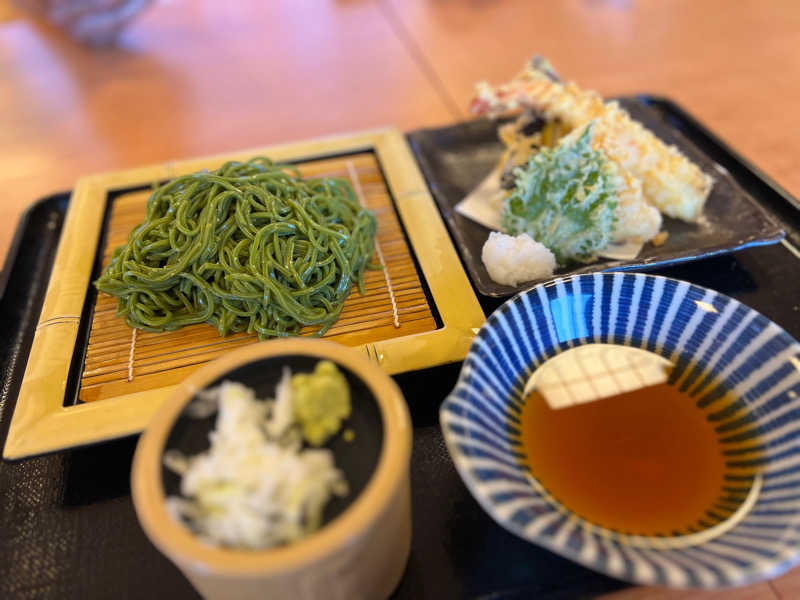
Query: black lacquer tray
{"type": "Point", "coordinates": [67, 526]}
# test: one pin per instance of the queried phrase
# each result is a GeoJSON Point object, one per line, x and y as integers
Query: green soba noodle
{"type": "Point", "coordinates": [249, 247]}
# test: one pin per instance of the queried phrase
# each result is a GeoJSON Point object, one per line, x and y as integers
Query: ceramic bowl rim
{"type": "Point", "coordinates": [766, 569]}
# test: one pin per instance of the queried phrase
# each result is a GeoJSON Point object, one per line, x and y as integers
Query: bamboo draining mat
{"type": "Point", "coordinates": [120, 360]}
{"type": "Point", "coordinates": [46, 418]}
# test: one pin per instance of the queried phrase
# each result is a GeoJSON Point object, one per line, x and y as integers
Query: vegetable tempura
{"type": "Point", "coordinates": [670, 182]}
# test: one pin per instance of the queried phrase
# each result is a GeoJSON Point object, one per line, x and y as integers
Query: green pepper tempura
{"type": "Point", "coordinates": [564, 198]}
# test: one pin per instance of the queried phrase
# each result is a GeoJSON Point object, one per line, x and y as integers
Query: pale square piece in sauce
{"type": "Point", "coordinates": [595, 371]}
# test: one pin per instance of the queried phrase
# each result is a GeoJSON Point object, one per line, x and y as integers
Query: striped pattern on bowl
{"type": "Point", "coordinates": [718, 346]}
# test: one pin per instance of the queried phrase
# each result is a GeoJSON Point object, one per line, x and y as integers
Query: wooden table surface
{"type": "Point", "coordinates": [194, 77]}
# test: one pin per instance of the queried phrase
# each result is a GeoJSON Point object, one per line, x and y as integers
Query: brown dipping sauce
{"type": "Point", "coordinates": [645, 462]}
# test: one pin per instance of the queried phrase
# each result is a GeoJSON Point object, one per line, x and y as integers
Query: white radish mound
{"type": "Point", "coordinates": [513, 259]}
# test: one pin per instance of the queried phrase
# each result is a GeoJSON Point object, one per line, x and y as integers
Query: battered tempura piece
{"type": "Point", "coordinates": [669, 181]}
{"type": "Point", "coordinates": [636, 220]}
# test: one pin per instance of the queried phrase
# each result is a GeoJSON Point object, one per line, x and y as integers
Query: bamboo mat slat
{"type": "Point", "coordinates": [119, 361]}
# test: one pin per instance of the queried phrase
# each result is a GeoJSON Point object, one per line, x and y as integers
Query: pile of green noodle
{"type": "Point", "coordinates": [249, 247]}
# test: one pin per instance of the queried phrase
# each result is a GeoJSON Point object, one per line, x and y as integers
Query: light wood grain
{"type": "Point", "coordinates": [734, 65]}
{"type": "Point", "coordinates": [204, 76]}
{"type": "Point", "coordinates": [192, 78]}
{"type": "Point", "coordinates": [112, 368]}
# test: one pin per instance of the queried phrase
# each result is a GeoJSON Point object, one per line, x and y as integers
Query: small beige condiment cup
{"type": "Point", "coordinates": [360, 554]}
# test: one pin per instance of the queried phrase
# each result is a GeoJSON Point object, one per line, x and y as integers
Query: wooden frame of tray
{"type": "Point", "coordinates": [41, 423]}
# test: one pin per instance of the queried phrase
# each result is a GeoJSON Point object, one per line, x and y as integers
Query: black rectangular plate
{"type": "Point", "coordinates": [455, 160]}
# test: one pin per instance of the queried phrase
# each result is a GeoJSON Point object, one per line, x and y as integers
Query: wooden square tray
{"type": "Point", "coordinates": [90, 377]}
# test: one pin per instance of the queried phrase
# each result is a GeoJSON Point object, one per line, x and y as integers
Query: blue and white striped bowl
{"type": "Point", "coordinates": [716, 343]}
